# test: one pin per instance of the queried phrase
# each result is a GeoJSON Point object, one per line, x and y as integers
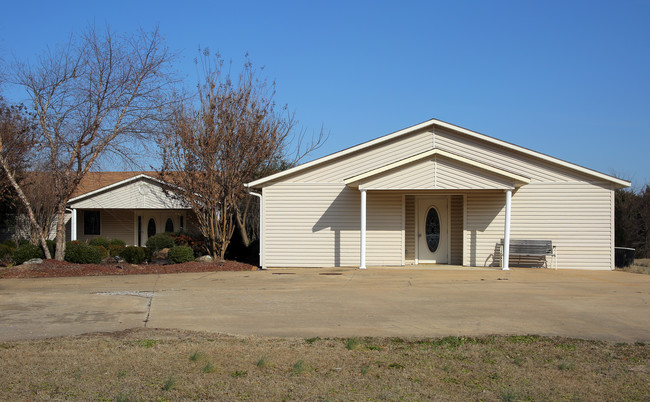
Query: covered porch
{"type": "Point", "coordinates": [435, 186]}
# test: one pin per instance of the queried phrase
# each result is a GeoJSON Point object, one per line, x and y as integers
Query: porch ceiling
{"type": "Point", "coordinates": [437, 170]}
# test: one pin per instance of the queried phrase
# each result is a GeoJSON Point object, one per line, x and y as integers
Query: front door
{"type": "Point", "coordinates": [433, 230]}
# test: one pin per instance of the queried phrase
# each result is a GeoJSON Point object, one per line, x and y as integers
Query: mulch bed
{"type": "Point", "coordinates": [57, 269]}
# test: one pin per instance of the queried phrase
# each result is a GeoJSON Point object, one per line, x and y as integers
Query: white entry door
{"type": "Point", "coordinates": [433, 230]}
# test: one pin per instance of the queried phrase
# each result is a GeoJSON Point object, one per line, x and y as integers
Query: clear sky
{"type": "Point", "coordinates": [567, 78]}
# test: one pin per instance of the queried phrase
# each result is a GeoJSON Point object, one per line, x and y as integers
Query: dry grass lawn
{"type": "Point", "coordinates": [640, 266]}
{"type": "Point", "coordinates": [170, 365]}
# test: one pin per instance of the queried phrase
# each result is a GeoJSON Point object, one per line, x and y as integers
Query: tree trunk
{"type": "Point", "coordinates": [242, 228]}
{"type": "Point", "coordinates": [60, 233]}
{"type": "Point", "coordinates": [28, 207]}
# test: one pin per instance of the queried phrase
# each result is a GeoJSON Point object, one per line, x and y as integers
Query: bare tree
{"type": "Point", "coordinates": [92, 98]}
{"type": "Point", "coordinates": [216, 144]}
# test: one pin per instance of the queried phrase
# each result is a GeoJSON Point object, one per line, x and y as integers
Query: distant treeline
{"type": "Point", "coordinates": [633, 220]}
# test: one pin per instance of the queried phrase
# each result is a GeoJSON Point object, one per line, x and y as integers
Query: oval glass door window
{"type": "Point", "coordinates": [169, 225]}
{"type": "Point", "coordinates": [432, 229]}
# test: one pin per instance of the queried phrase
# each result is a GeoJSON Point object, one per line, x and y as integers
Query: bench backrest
{"type": "Point", "coordinates": [531, 247]}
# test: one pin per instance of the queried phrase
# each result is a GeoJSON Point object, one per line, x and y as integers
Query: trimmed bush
{"type": "Point", "coordinates": [10, 243]}
{"type": "Point", "coordinates": [180, 254]}
{"type": "Point", "coordinates": [148, 253]}
{"type": "Point", "coordinates": [160, 241]}
{"type": "Point", "coordinates": [25, 253]}
{"type": "Point", "coordinates": [99, 241]}
{"type": "Point", "coordinates": [186, 239]}
{"type": "Point", "coordinates": [133, 255]}
{"type": "Point", "coordinates": [116, 242]}
{"type": "Point", "coordinates": [82, 253]}
{"type": "Point", "coordinates": [115, 249]}
{"type": "Point", "coordinates": [23, 242]}
{"type": "Point", "coordinates": [102, 251]}
{"type": "Point", "coordinates": [5, 252]}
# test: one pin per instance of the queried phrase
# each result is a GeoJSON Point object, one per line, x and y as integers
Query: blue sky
{"type": "Point", "coordinates": [567, 78]}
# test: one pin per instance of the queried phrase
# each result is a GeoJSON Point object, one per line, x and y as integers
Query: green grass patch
{"type": "Point", "coordinates": [169, 384]}
{"type": "Point", "coordinates": [352, 343]}
{"type": "Point", "coordinates": [262, 362]}
{"type": "Point", "coordinates": [148, 343]}
{"type": "Point", "coordinates": [299, 367]}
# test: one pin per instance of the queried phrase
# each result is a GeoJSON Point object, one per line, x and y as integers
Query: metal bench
{"type": "Point", "coordinates": [531, 251]}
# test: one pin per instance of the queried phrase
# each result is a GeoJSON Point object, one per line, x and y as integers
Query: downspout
{"type": "Point", "coordinates": [261, 224]}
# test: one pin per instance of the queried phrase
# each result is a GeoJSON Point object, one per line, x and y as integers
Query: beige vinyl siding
{"type": "Point", "coordinates": [456, 230]}
{"type": "Point", "coordinates": [141, 194]}
{"type": "Point", "coordinates": [315, 225]}
{"type": "Point", "coordinates": [409, 228]}
{"type": "Point", "coordinates": [114, 224]}
{"type": "Point", "coordinates": [311, 225]}
{"type": "Point", "coordinates": [384, 228]}
{"type": "Point", "coordinates": [338, 170]}
{"type": "Point", "coordinates": [438, 173]}
{"type": "Point", "coordinates": [575, 216]}
{"type": "Point", "coordinates": [484, 226]}
{"type": "Point", "coordinates": [506, 159]}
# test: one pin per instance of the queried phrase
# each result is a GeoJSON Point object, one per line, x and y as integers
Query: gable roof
{"type": "Point", "coordinates": [431, 123]}
{"type": "Point", "coordinates": [360, 178]}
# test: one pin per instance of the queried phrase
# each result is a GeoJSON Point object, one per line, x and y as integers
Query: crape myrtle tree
{"type": "Point", "coordinates": [219, 139]}
{"type": "Point", "coordinates": [94, 98]}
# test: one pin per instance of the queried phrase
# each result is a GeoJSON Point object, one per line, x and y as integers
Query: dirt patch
{"type": "Point", "coordinates": [56, 269]}
{"type": "Point", "coordinates": [177, 365]}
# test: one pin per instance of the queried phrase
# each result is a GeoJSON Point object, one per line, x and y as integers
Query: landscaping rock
{"type": "Point", "coordinates": [161, 254]}
{"type": "Point", "coordinates": [33, 261]}
{"type": "Point", "coordinates": [205, 258]}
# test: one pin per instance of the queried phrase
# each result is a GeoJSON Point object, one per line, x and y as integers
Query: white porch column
{"type": "Point", "coordinates": [73, 225]}
{"type": "Point", "coordinates": [362, 252]}
{"type": "Point", "coordinates": [506, 232]}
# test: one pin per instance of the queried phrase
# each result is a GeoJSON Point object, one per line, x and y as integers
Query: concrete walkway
{"type": "Point", "coordinates": [336, 302]}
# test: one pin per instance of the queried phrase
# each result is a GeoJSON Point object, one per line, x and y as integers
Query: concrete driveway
{"type": "Point", "coordinates": [336, 302]}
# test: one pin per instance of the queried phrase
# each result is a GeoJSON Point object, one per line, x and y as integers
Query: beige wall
{"type": "Point", "coordinates": [114, 224]}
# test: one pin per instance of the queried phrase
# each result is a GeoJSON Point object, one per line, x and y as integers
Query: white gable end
{"type": "Point", "coordinates": [139, 194]}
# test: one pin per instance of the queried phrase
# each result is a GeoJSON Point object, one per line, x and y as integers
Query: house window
{"type": "Point", "coordinates": [181, 223]}
{"type": "Point", "coordinates": [91, 223]}
{"type": "Point", "coordinates": [169, 226]}
{"type": "Point", "coordinates": [151, 228]}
